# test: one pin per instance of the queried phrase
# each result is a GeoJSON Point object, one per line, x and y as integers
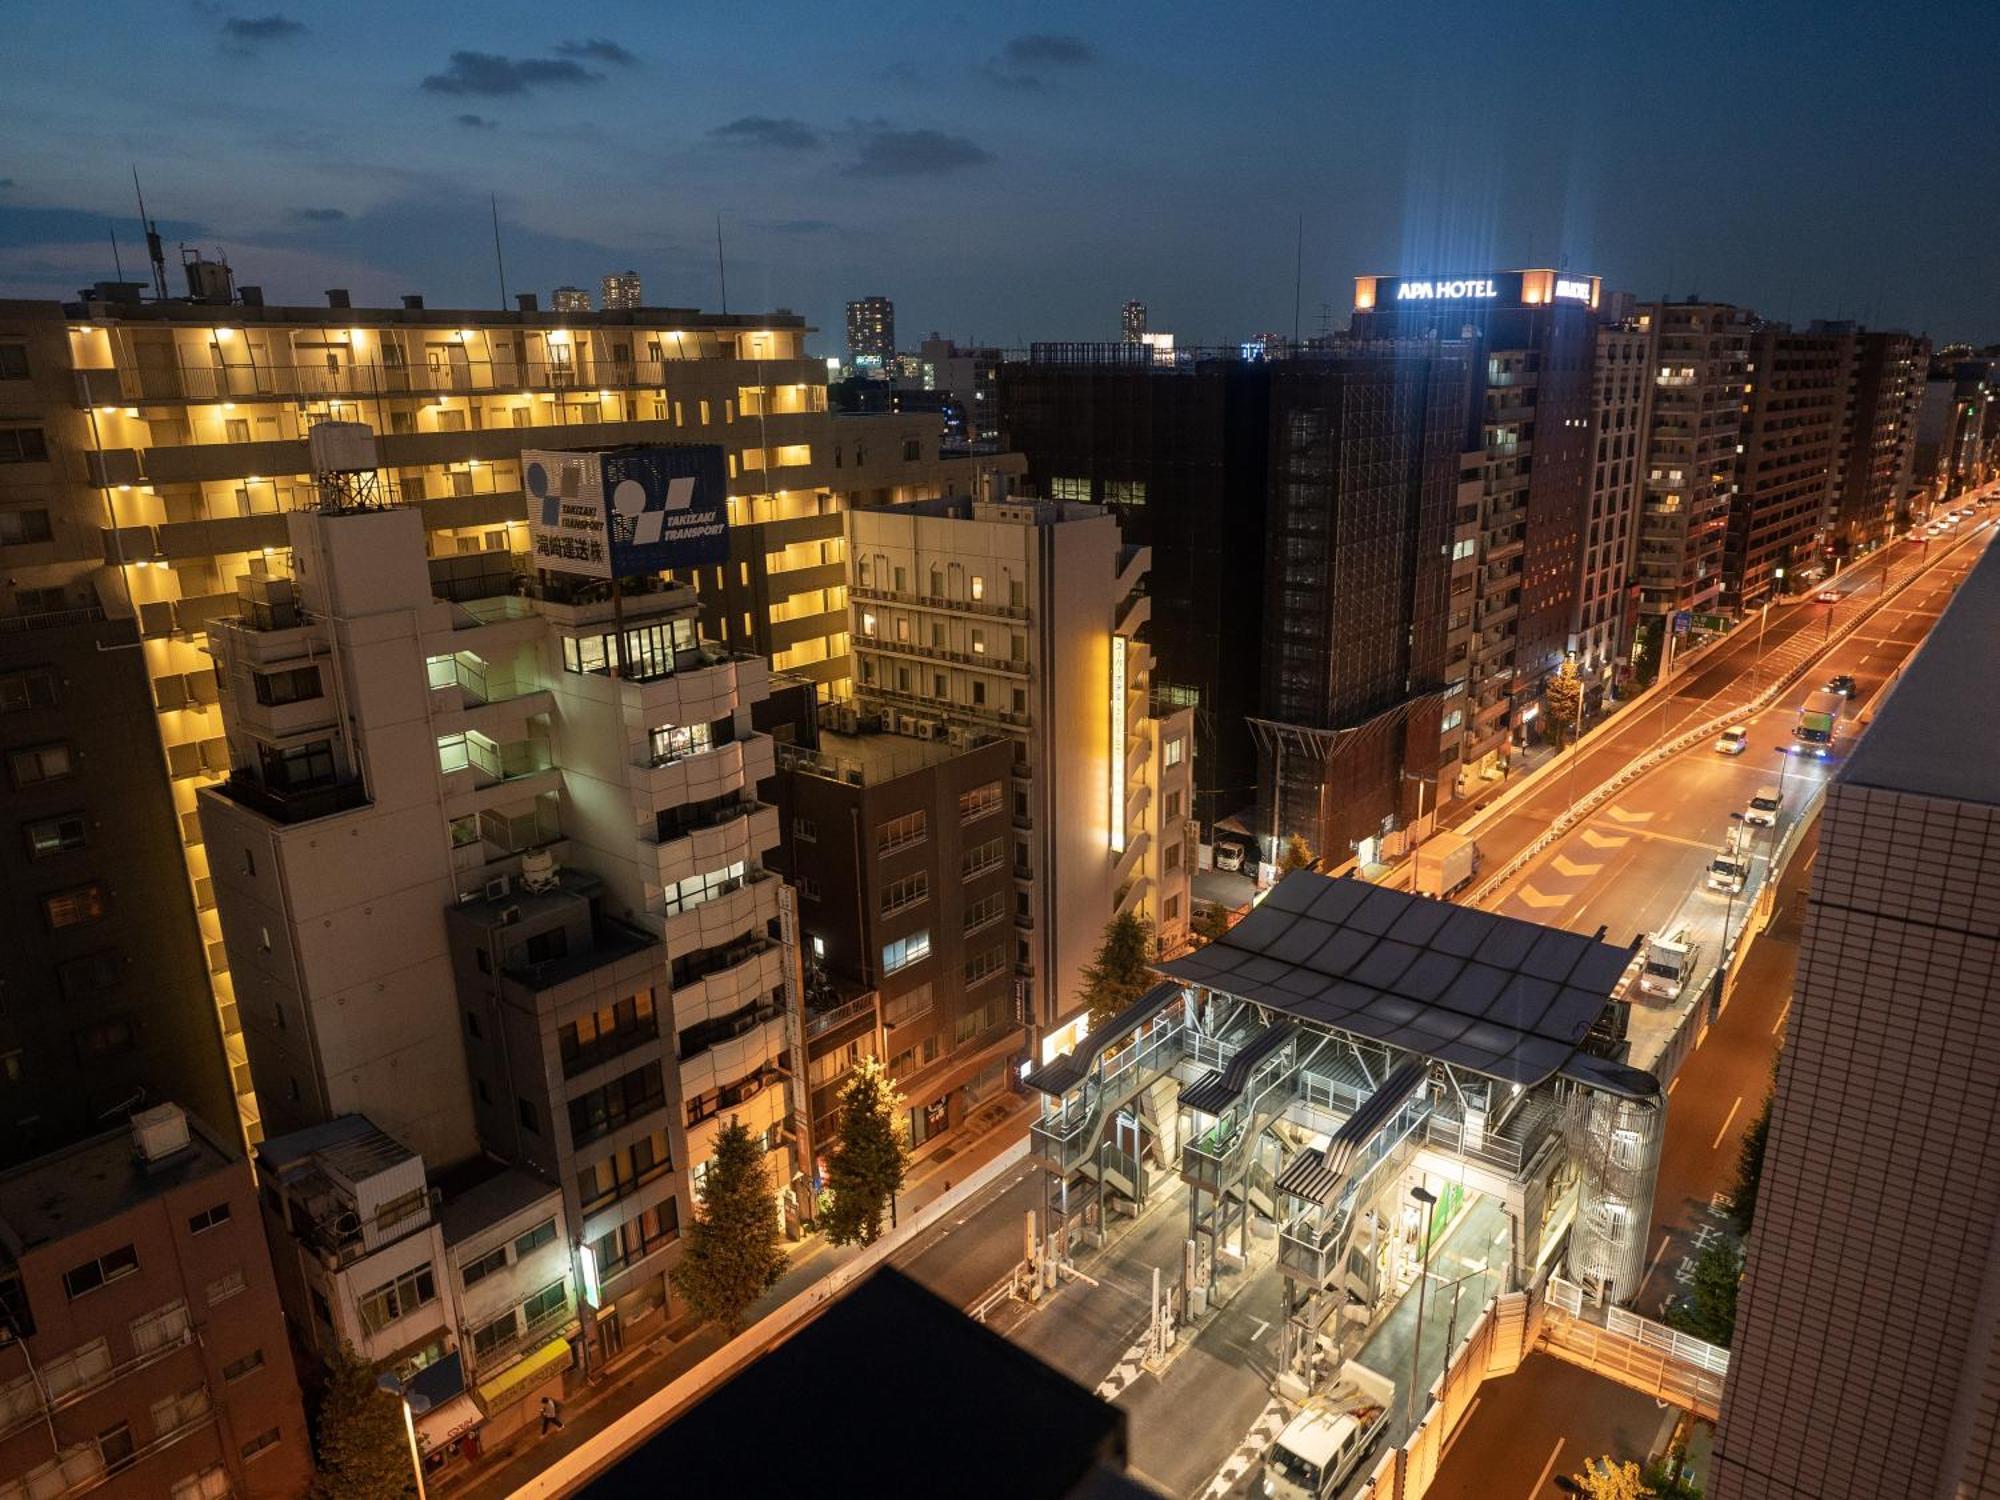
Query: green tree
{"type": "Point", "coordinates": [1708, 1311]}
{"type": "Point", "coordinates": [1663, 1475]}
{"type": "Point", "coordinates": [864, 1172]}
{"type": "Point", "coordinates": [360, 1448]}
{"type": "Point", "coordinates": [1118, 975]}
{"type": "Point", "coordinates": [1750, 1169]}
{"type": "Point", "coordinates": [1611, 1479]}
{"type": "Point", "coordinates": [1296, 855]}
{"type": "Point", "coordinates": [1210, 923]}
{"type": "Point", "coordinates": [1562, 701]}
{"type": "Point", "coordinates": [732, 1255]}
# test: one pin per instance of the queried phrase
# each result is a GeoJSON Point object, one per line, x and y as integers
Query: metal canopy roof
{"type": "Point", "coordinates": [1503, 997]}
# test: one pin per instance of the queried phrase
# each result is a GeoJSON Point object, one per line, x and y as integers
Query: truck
{"type": "Point", "coordinates": [1445, 862]}
{"type": "Point", "coordinates": [1730, 869]}
{"type": "Point", "coordinates": [1322, 1447]}
{"type": "Point", "coordinates": [1669, 964]}
{"type": "Point", "coordinates": [1818, 724]}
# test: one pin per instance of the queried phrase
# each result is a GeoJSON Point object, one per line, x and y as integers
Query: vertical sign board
{"type": "Point", "coordinates": [626, 511]}
{"type": "Point", "coordinates": [1117, 743]}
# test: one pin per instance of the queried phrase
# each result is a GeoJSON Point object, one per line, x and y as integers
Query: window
{"type": "Point", "coordinates": [1124, 492]}
{"type": "Point", "coordinates": [297, 767]}
{"type": "Point", "coordinates": [901, 895]}
{"type": "Point", "coordinates": [900, 833]}
{"type": "Point", "coordinates": [172, 1413]}
{"type": "Point", "coordinates": [115, 1446]}
{"type": "Point", "coordinates": [607, 1032]}
{"type": "Point", "coordinates": [93, 1274]}
{"type": "Point", "coordinates": [50, 836]}
{"type": "Point", "coordinates": [13, 361]}
{"type": "Point", "coordinates": [230, 1283]}
{"type": "Point", "coordinates": [907, 1006]}
{"type": "Point", "coordinates": [38, 763]}
{"type": "Point", "coordinates": [161, 1327]}
{"type": "Point", "coordinates": [212, 1483]}
{"type": "Point", "coordinates": [672, 741]}
{"type": "Point", "coordinates": [1174, 806]}
{"type": "Point", "coordinates": [268, 1438]}
{"type": "Point", "coordinates": [901, 952]}
{"type": "Point", "coordinates": [479, 1269]}
{"type": "Point", "coordinates": [1175, 753]}
{"type": "Point", "coordinates": [615, 1104]}
{"type": "Point", "coordinates": [208, 1218]}
{"type": "Point", "coordinates": [73, 908]}
{"type": "Point", "coordinates": [809, 887]}
{"type": "Point", "coordinates": [978, 586]}
{"type": "Point", "coordinates": [297, 685]}
{"type": "Point", "coordinates": [1173, 861]}
{"type": "Point", "coordinates": [24, 445]}
{"type": "Point", "coordinates": [696, 889]}
{"type": "Point", "coordinates": [981, 858]}
{"type": "Point", "coordinates": [495, 1335]}
{"type": "Point", "coordinates": [542, 1234]}
{"type": "Point", "coordinates": [978, 641]}
{"type": "Point", "coordinates": [249, 1364]}
{"type": "Point", "coordinates": [22, 690]}
{"type": "Point", "coordinates": [985, 965]}
{"type": "Point", "coordinates": [81, 1367]}
{"type": "Point", "coordinates": [806, 830]}
{"type": "Point", "coordinates": [550, 1299]}
{"type": "Point", "coordinates": [398, 1299]}
{"type": "Point", "coordinates": [530, 1119]}
{"type": "Point", "coordinates": [1069, 489]}
{"type": "Point", "coordinates": [985, 911]}
{"type": "Point", "coordinates": [978, 803]}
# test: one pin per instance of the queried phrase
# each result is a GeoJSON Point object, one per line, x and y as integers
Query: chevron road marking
{"type": "Point", "coordinates": [1598, 840]}
{"type": "Point", "coordinates": [1528, 896]}
{"type": "Point", "coordinates": [1564, 865]}
{"type": "Point", "coordinates": [1256, 1442]}
{"type": "Point", "coordinates": [1629, 817]}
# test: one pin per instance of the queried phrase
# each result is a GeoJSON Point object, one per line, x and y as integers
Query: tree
{"type": "Point", "coordinates": [1664, 1476]}
{"type": "Point", "coordinates": [1750, 1169]}
{"type": "Point", "coordinates": [1562, 701]}
{"type": "Point", "coordinates": [1210, 923]}
{"type": "Point", "coordinates": [1118, 976]}
{"type": "Point", "coordinates": [1296, 855]}
{"type": "Point", "coordinates": [360, 1449]}
{"type": "Point", "coordinates": [732, 1255]}
{"type": "Point", "coordinates": [865, 1171]}
{"type": "Point", "coordinates": [1611, 1479]}
{"type": "Point", "coordinates": [1708, 1311]}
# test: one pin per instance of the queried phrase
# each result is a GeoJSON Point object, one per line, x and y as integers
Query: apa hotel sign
{"type": "Point", "coordinates": [1484, 290]}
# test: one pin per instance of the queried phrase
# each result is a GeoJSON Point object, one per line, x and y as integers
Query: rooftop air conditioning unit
{"type": "Point", "coordinates": [497, 887]}
{"type": "Point", "coordinates": [159, 1132]}
{"type": "Point", "coordinates": [538, 870]}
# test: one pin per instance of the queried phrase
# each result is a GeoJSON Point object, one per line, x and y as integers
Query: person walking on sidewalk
{"type": "Point", "coordinates": [551, 1415]}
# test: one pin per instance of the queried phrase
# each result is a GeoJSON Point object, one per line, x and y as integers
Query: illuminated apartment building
{"type": "Point", "coordinates": [623, 291]}
{"type": "Point", "coordinates": [1622, 378]}
{"type": "Point", "coordinates": [149, 452]}
{"type": "Point", "coordinates": [1025, 618]}
{"type": "Point", "coordinates": [570, 299]}
{"type": "Point", "coordinates": [871, 330]}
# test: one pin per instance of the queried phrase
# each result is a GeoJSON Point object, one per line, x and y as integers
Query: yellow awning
{"type": "Point", "coordinates": [509, 1383]}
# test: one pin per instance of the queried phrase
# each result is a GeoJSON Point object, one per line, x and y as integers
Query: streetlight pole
{"type": "Point", "coordinates": [416, 1456]}
{"type": "Point", "coordinates": [1427, 1201]}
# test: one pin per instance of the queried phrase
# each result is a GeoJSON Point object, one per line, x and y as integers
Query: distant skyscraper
{"type": "Point", "coordinates": [622, 291]}
{"type": "Point", "coordinates": [573, 298]}
{"type": "Point", "coordinates": [1135, 321]}
{"type": "Point", "coordinates": [871, 329]}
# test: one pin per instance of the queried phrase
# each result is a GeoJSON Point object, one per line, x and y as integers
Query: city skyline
{"type": "Point", "coordinates": [836, 162]}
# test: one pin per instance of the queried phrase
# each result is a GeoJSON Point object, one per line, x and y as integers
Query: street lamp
{"type": "Point", "coordinates": [416, 1454]}
{"type": "Point", "coordinates": [1426, 1201]}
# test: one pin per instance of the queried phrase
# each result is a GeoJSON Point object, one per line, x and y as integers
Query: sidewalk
{"type": "Point", "coordinates": [591, 1407]}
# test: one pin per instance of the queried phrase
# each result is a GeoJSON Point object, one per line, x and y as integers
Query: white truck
{"type": "Point", "coordinates": [1730, 869]}
{"type": "Point", "coordinates": [1445, 862]}
{"type": "Point", "coordinates": [1669, 964]}
{"type": "Point", "coordinates": [1326, 1443]}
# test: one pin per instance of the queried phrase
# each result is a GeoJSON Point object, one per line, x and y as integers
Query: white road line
{"type": "Point", "coordinates": [1725, 1123]}
{"type": "Point", "coordinates": [1259, 1334]}
{"type": "Point", "coordinates": [1654, 1265]}
{"type": "Point", "coordinates": [1674, 1085]}
{"type": "Point", "coordinates": [1778, 1025]}
{"type": "Point", "coordinates": [1547, 1469]}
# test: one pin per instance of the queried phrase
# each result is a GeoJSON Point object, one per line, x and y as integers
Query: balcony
{"type": "Point", "coordinates": [704, 685]}
{"type": "Point", "coordinates": [820, 1022]}
{"type": "Point", "coordinates": [296, 805]}
{"type": "Point", "coordinates": [733, 833]}
{"type": "Point", "coordinates": [736, 907]}
{"type": "Point", "coordinates": [984, 661]}
{"type": "Point", "coordinates": [672, 780]}
{"type": "Point", "coordinates": [749, 970]}
{"type": "Point", "coordinates": [934, 601]}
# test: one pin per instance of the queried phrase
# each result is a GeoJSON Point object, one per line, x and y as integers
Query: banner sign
{"type": "Point", "coordinates": [624, 511]}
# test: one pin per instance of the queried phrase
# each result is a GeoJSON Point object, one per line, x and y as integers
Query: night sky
{"type": "Point", "coordinates": [1010, 172]}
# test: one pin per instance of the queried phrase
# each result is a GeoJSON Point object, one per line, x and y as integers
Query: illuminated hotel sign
{"type": "Point", "coordinates": [1117, 743]}
{"type": "Point", "coordinates": [1466, 289]}
{"type": "Point", "coordinates": [1575, 289]}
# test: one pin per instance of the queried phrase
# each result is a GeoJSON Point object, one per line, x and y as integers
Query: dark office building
{"type": "Point", "coordinates": [1180, 452]}
{"type": "Point", "coordinates": [104, 999]}
{"type": "Point", "coordinates": [1787, 474]}
{"type": "Point", "coordinates": [1364, 484]}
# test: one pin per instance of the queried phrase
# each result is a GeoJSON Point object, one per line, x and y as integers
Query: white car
{"type": "Point", "coordinates": [1228, 857]}
{"type": "Point", "coordinates": [1763, 809]}
{"type": "Point", "coordinates": [1733, 740]}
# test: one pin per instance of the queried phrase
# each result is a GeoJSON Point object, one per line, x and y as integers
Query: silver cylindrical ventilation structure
{"type": "Point", "coordinates": [1615, 1142]}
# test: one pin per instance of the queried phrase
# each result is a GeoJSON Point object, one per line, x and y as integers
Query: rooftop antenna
{"type": "Point", "coordinates": [1298, 276]}
{"type": "Point", "coordinates": [117, 261]}
{"type": "Point", "coordinates": [155, 250]}
{"type": "Point", "coordinates": [498, 262]}
{"type": "Point", "coordinates": [721, 266]}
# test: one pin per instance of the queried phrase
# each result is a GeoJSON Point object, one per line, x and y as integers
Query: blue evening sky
{"type": "Point", "coordinates": [1009, 172]}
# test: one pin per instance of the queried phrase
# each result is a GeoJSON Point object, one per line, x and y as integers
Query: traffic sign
{"type": "Point", "coordinates": [1683, 622]}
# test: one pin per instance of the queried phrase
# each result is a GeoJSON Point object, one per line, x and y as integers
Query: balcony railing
{"type": "Point", "coordinates": [45, 1405]}
{"type": "Point", "coordinates": [938, 601]}
{"type": "Point", "coordinates": [820, 1022]}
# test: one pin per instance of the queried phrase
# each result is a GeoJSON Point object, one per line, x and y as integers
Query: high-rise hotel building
{"type": "Point", "coordinates": [148, 455]}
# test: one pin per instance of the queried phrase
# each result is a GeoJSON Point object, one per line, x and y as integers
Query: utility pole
{"type": "Point", "coordinates": [1427, 1201]}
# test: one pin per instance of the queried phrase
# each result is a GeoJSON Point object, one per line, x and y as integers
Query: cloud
{"type": "Point", "coordinates": [6, 182]}
{"type": "Point", "coordinates": [1046, 50]}
{"type": "Point", "coordinates": [320, 215]}
{"type": "Point", "coordinates": [914, 153]}
{"type": "Point", "coordinates": [599, 49]}
{"type": "Point", "coordinates": [490, 74]}
{"type": "Point", "coordinates": [243, 34]}
{"type": "Point", "coordinates": [799, 226]}
{"type": "Point", "coordinates": [475, 122]}
{"type": "Point", "coordinates": [761, 130]}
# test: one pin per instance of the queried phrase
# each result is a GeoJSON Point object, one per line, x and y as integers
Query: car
{"type": "Point", "coordinates": [1842, 684]}
{"type": "Point", "coordinates": [1763, 809]}
{"type": "Point", "coordinates": [1228, 857]}
{"type": "Point", "coordinates": [1733, 740]}
{"type": "Point", "coordinates": [1829, 596]}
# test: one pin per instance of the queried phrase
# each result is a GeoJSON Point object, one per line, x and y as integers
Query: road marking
{"type": "Point", "coordinates": [1665, 1240]}
{"type": "Point", "coordinates": [1567, 866]}
{"type": "Point", "coordinates": [1674, 1085]}
{"type": "Point", "coordinates": [1256, 1442]}
{"type": "Point", "coordinates": [1629, 817]}
{"type": "Point", "coordinates": [1261, 1326]}
{"type": "Point", "coordinates": [1547, 1469]}
{"type": "Point", "coordinates": [1463, 1423]}
{"type": "Point", "coordinates": [1725, 1123]}
{"type": "Point", "coordinates": [1778, 1024]}
{"type": "Point", "coordinates": [1527, 895]}
{"type": "Point", "coordinates": [1598, 840]}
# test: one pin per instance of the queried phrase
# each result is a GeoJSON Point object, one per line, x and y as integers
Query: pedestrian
{"type": "Point", "coordinates": [551, 1415]}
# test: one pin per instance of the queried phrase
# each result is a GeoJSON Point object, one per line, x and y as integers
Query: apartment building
{"type": "Point", "coordinates": [871, 331]}
{"type": "Point", "coordinates": [1788, 472]}
{"type": "Point", "coordinates": [142, 1350]}
{"type": "Point", "coordinates": [1025, 618]}
{"type": "Point", "coordinates": [1885, 398]}
{"type": "Point", "coordinates": [901, 852]}
{"type": "Point", "coordinates": [1701, 354]}
{"type": "Point", "coordinates": [623, 291]}
{"type": "Point", "coordinates": [1132, 322]}
{"type": "Point", "coordinates": [107, 1006]}
{"type": "Point", "coordinates": [1623, 380]}
{"type": "Point", "coordinates": [570, 299]}
{"type": "Point", "coordinates": [458, 1289]}
{"type": "Point", "coordinates": [149, 452]}
{"type": "Point", "coordinates": [1864, 1362]}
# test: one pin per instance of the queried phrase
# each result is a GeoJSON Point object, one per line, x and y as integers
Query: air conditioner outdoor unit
{"type": "Point", "coordinates": [509, 915]}
{"type": "Point", "coordinates": [497, 887]}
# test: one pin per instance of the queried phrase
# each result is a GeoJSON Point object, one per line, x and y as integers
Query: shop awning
{"type": "Point", "coordinates": [514, 1381]}
{"type": "Point", "coordinates": [454, 1419]}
